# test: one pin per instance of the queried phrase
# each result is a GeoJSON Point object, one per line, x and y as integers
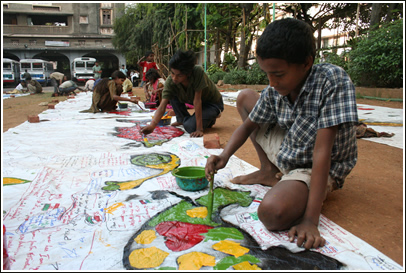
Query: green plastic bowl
{"type": "Point", "coordinates": [191, 178]}
{"type": "Point", "coordinates": [122, 105]}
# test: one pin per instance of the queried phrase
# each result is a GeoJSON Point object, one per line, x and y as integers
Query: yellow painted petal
{"type": "Point", "coordinates": [147, 257]}
{"type": "Point", "coordinates": [146, 237]}
{"type": "Point", "coordinates": [246, 266]}
{"type": "Point", "coordinates": [200, 212]}
{"type": "Point", "coordinates": [231, 248]}
{"type": "Point", "coordinates": [195, 260]}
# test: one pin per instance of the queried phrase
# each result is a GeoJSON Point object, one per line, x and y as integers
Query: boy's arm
{"type": "Point", "coordinates": [197, 103]}
{"type": "Point", "coordinates": [307, 230]}
{"type": "Point", "coordinates": [142, 58]}
{"type": "Point", "coordinates": [237, 139]}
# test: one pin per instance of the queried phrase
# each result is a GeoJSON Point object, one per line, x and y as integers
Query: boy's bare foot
{"type": "Point", "coordinates": [266, 178]}
{"type": "Point", "coordinates": [176, 123]}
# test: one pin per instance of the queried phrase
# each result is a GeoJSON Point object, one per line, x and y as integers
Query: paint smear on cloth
{"type": "Point", "coordinates": [231, 248]}
{"type": "Point", "coordinates": [147, 257]}
{"type": "Point", "coordinates": [222, 233]}
{"type": "Point", "coordinates": [246, 266]}
{"type": "Point", "coordinates": [195, 260]}
{"type": "Point", "coordinates": [200, 212]}
{"type": "Point", "coordinates": [146, 237]}
{"type": "Point", "coordinates": [181, 236]}
{"type": "Point", "coordinates": [13, 181]}
{"type": "Point", "coordinates": [228, 261]}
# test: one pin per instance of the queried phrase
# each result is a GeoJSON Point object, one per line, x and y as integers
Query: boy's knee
{"type": "Point", "coordinates": [247, 98]}
{"type": "Point", "coordinates": [272, 216]}
{"type": "Point", "coordinates": [244, 94]}
{"type": "Point", "coordinates": [189, 126]}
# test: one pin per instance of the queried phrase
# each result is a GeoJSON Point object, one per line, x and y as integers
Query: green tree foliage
{"type": "Point", "coordinates": [376, 60]}
{"type": "Point", "coordinates": [172, 26]}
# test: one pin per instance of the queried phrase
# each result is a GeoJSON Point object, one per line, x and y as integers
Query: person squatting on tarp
{"type": "Point", "coordinates": [107, 93]}
{"type": "Point", "coordinates": [301, 125]}
{"type": "Point", "coordinates": [188, 83]}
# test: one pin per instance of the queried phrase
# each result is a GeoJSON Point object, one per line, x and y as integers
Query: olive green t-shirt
{"type": "Point", "coordinates": [198, 80]}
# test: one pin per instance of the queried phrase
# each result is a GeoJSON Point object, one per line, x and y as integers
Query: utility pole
{"type": "Point", "coordinates": [356, 21]}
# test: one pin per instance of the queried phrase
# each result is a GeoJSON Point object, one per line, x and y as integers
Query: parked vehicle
{"type": "Point", "coordinates": [11, 71]}
{"type": "Point", "coordinates": [82, 69]}
{"type": "Point", "coordinates": [39, 70]}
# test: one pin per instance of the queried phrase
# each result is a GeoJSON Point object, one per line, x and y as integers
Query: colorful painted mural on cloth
{"type": "Point", "coordinates": [63, 220]}
{"type": "Point", "coordinates": [160, 135]}
{"type": "Point", "coordinates": [164, 162]}
{"type": "Point", "coordinates": [177, 236]}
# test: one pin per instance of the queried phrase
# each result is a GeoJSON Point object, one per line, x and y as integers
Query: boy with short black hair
{"type": "Point", "coordinates": [188, 83]}
{"type": "Point", "coordinates": [302, 127]}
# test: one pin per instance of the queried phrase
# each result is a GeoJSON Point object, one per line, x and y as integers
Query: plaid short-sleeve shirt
{"type": "Point", "coordinates": [326, 99]}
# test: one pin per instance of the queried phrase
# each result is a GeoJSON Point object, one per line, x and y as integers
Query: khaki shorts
{"type": "Point", "coordinates": [271, 144]}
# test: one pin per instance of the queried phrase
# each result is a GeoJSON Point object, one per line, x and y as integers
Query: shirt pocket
{"type": "Point", "coordinates": [303, 131]}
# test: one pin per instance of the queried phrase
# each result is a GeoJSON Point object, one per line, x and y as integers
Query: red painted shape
{"type": "Point", "coordinates": [181, 236]}
{"type": "Point", "coordinates": [363, 108]}
{"type": "Point", "coordinates": [124, 113]}
{"type": "Point", "coordinates": [161, 133]}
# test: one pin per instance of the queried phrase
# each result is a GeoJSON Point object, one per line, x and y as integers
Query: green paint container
{"type": "Point", "coordinates": [122, 105]}
{"type": "Point", "coordinates": [191, 178]}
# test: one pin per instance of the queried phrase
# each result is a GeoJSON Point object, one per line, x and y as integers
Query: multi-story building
{"type": "Point", "coordinates": [61, 32]}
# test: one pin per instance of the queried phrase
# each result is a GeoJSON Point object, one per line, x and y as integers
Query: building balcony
{"type": "Point", "coordinates": [10, 30]}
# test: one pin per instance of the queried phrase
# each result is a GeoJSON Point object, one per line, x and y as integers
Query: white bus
{"type": "Point", "coordinates": [82, 69]}
{"type": "Point", "coordinates": [11, 71]}
{"type": "Point", "coordinates": [39, 70]}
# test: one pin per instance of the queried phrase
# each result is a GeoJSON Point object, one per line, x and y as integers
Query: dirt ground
{"type": "Point", "coordinates": [370, 205]}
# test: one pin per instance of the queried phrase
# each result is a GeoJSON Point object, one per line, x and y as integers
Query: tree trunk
{"type": "Point", "coordinates": [218, 49]}
{"type": "Point", "coordinates": [319, 35]}
{"type": "Point", "coordinates": [242, 60]}
{"type": "Point", "coordinates": [392, 6]}
{"type": "Point", "coordinates": [229, 30]}
{"type": "Point", "coordinates": [375, 18]}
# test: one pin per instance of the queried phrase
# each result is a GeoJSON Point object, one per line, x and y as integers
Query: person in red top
{"type": "Point", "coordinates": [147, 65]}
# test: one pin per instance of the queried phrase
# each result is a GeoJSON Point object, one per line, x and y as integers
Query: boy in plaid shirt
{"type": "Point", "coordinates": [302, 127]}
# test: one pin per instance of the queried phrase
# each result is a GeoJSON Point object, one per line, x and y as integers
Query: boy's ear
{"type": "Point", "coordinates": [308, 62]}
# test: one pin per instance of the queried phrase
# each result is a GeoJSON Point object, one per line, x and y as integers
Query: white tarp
{"type": "Point", "coordinates": [62, 219]}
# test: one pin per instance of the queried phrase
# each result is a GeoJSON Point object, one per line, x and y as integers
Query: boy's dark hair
{"type": "Point", "coordinates": [118, 74]}
{"type": "Point", "coordinates": [148, 53]}
{"type": "Point", "coordinates": [184, 61]}
{"type": "Point", "coordinates": [288, 39]}
{"type": "Point", "coordinates": [152, 74]}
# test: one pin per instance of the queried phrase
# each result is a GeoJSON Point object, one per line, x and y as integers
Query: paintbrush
{"type": "Point", "coordinates": [145, 138]}
{"type": "Point", "coordinates": [210, 197]}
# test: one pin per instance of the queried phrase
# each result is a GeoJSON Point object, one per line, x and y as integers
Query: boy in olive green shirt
{"type": "Point", "coordinates": [188, 83]}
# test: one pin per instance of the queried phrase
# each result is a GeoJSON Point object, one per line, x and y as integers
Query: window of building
{"type": "Point", "coordinates": [9, 19]}
{"type": "Point", "coordinates": [82, 42]}
{"type": "Point", "coordinates": [83, 20]}
{"type": "Point", "coordinates": [325, 42]}
{"type": "Point", "coordinates": [51, 20]}
{"type": "Point", "coordinates": [15, 42]}
{"type": "Point", "coordinates": [106, 31]}
{"type": "Point", "coordinates": [106, 17]}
